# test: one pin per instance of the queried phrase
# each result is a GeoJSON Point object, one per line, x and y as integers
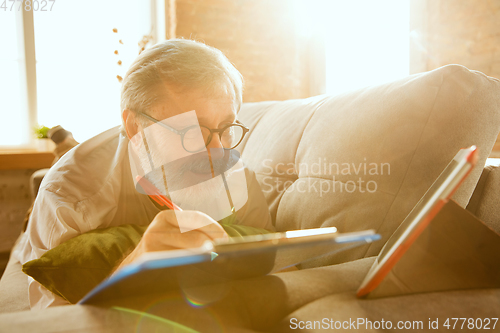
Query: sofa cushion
{"type": "Point", "coordinates": [362, 160]}
{"type": "Point", "coordinates": [85, 319]}
{"type": "Point", "coordinates": [13, 287]}
{"type": "Point", "coordinates": [417, 312]}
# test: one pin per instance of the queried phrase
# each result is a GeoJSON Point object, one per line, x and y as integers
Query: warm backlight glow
{"type": "Point", "coordinates": [366, 42]}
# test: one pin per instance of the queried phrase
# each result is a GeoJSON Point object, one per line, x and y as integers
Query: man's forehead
{"type": "Point", "coordinates": [208, 107]}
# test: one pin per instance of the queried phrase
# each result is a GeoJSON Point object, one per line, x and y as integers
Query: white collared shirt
{"type": "Point", "coordinates": [91, 187]}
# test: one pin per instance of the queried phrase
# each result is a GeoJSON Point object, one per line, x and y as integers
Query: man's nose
{"type": "Point", "coordinates": [215, 148]}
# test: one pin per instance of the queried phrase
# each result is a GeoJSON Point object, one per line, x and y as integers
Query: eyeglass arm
{"type": "Point", "coordinates": [160, 123]}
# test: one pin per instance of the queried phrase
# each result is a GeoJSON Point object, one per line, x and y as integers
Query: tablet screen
{"type": "Point", "coordinates": [423, 212]}
{"type": "Point", "coordinates": [441, 189]}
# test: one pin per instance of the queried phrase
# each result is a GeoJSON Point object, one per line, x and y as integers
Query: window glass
{"type": "Point", "coordinates": [365, 42]}
{"type": "Point", "coordinates": [13, 111]}
{"type": "Point", "coordinates": [77, 66]}
{"type": "Point", "coordinates": [369, 44]}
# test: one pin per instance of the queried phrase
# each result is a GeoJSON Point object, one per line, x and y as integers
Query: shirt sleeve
{"type": "Point", "coordinates": [41, 298]}
{"type": "Point", "coordinates": [52, 221]}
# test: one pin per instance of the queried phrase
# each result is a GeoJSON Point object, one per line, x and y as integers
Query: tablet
{"type": "Point", "coordinates": [420, 216]}
{"type": "Point", "coordinates": [222, 261]}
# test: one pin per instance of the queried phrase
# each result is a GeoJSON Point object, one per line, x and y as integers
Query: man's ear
{"type": "Point", "coordinates": [130, 123]}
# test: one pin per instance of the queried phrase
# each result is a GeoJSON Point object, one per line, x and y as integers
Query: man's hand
{"type": "Point", "coordinates": [164, 234]}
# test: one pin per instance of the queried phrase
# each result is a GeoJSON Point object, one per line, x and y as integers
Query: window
{"type": "Point", "coordinates": [13, 87]}
{"type": "Point", "coordinates": [364, 42]}
{"type": "Point", "coordinates": [76, 65]}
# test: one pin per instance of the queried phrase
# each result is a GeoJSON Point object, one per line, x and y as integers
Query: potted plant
{"type": "Point", "coordinates": [43, 141]}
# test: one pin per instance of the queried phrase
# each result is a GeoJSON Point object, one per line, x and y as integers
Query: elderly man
{"type": "Point", "coordinates": [177, 84]}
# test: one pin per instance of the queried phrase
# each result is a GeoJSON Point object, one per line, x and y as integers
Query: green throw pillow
{"type": "Point", "coordinates": [78, 265]}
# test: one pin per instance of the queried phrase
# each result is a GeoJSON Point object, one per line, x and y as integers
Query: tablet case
{"type": "Point", "coordinates": [456, 251]}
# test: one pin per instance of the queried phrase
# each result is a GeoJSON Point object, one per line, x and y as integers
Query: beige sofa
{"type": "Point", "coordinates": [394, 139]}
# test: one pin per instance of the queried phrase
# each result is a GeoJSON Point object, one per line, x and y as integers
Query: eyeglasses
{"type": "Point", "coordinates": [230, 135]}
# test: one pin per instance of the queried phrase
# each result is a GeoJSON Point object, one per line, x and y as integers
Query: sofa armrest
{"type": "Point", "coordinates": [35, 181]}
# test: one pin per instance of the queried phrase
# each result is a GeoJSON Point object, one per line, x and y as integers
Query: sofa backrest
{"type": "Point", "coordinates": [362, 160]}
{"type": "Point", "coordinates": [485, 201]}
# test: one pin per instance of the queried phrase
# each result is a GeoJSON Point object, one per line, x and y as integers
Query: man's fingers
{"type": "Point", "coordinates": [152, 244]}
{"type": "Point", "coordinates": [213, 231]}
{"type": "Point", "coordinates": [165, 234]}
{"type": "Point", "coordinates": [189, 239]}
{"type": "Point", "coordinates": [189, 221]}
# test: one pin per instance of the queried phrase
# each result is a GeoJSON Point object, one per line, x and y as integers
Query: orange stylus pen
{"type": "Point", "coordinates": [155, 194]}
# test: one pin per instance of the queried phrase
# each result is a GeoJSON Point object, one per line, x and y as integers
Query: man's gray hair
{"type": "Point", "coordinates": [178, 64]}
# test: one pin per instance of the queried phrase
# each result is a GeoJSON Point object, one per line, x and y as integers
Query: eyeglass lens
{"type": "Point", "coordinates": [229, 138]}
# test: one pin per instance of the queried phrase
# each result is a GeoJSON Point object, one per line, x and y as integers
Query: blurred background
{"type": "Point", "coordinates": [60, 61]}
{"type": "Point", "coordinates": [59, 67]}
